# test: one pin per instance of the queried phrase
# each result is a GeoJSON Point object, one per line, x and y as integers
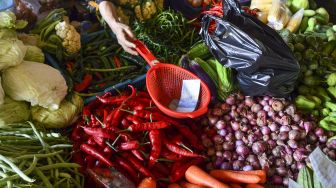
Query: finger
{"type": "Point", "coordinates": [131, 51]}
{"type": "Point", "coordinates": [128, 31]}
{"type": "Point", "coordinates": [129, 44]}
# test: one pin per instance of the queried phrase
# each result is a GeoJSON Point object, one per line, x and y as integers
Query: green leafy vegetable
{"type": "Point", "coordinates": [2, 93]}
{"type": "Point", "coordinates": [8, 20]}
{"type": "Point", "coordinates": [7, 33]}
{"type": "Point", "coordinates": [64, 116]}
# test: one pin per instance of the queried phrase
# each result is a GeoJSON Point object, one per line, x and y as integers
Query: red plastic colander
{"type": "Point", "coordinates": [164, 84]}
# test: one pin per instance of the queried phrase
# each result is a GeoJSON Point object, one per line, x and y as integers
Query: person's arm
{"type": "Point", "coordinates": [122, 31]}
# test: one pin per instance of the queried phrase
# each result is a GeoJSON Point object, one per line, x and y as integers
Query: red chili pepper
{"type": "Point", "coordinates": [161, 168]}
{"type": "Point", "coordinates": [170, 155]}
{"type": "Point", "coordinates": [128, 168]}
{"type": "Point", "coordinates": [179, 173]}
{"type": "Point", "coordinates": [137, 164]}
{"type": "Point", "coordinates": [87, 109]}
{"type": "Point", "coordinates": [76, 133]}
{"type": "Point", "coordinates": [93, 121]}
{"type": "Point", "coordinates": [90, 161]}
{"type": "Point", "coordinates": [84, 84]}
{"type": "Point", "coordinates": [119, 113]}
{"type": "Point", "coordinates": [91, 141]}
{"type": "Point", "coordinates": [108, 150]}
{"type": "Point", "coordinates": [117, 61]}
{"type": "Point", "coordinates": [134, 119]}
{"type": "Point", "coordinates": [96, 154]}
{"type": "Point", "coordinates": [130, 145]}
{"type": "Point", "coordinates": [138, 155]}
{"type": "Point", "coordinates": [125, 123]}
{"type": "Point", "coordinates": [100, 141]}
{"type": "Point", "coordinates": [100, 132]}
{"type": "Point", "coordinates": [143, 94]}
{"type": "Point", "coordinates": [148, 126]}
{"type": "Point", "coordinates": [177, 139]}
{"type": "Point", "coordinates": [112, 99]}
{"type": "Point", "coordinates": [155, 139]}
{"type": "Point", "coordinates": [176, 149]}
{"type": "Point", "coordinates": [189, 135]}
{"type": "Point", "coordinates": [109, 117]}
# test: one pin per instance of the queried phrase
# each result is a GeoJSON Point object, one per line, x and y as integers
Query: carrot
{"type": "Point", "coordinates": [254, 186]}
{"type": "Point", "coordinates": [190, 185]}
{"type": "Point", "coordinates": [233, 185]}
{"type": "Point", "coordinates": [260, 173]}
{"type": "Point", "coordinates": [197, 176]}
{"type": "Point", "coordinates": [147, 183]}
{"type": "Point", "coordinates": [234, 177]}
{"type": "Point", "coordinates": [174, 185]}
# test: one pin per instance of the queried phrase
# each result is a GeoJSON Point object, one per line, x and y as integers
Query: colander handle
{"type": "Point", "coordinates": [142, 49]}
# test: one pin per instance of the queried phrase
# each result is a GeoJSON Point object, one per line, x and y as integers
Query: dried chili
{"type": "Point", "coordinates": [84, 84]}
{"type": "Point", "coordinates": [113, 100]}
{"type": "Point", "coordinates": [137, 164]}
{"type": "Point", "coordinates": [128, 168]}
{"type": "Point", "coordinates": [100, 132]}
{"type": "Point", "coordinates": [178, 150]}
{"type": "Point", "coordinates": [134, 119]}
{"type": "Point", "coordinates": [130, 145]}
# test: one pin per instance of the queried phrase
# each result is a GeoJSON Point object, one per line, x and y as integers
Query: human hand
{"type": "Point", "coordinates": [125, 37]}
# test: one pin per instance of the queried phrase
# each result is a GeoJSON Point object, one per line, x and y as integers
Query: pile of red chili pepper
{"type": "Point", "coordinates": [129, 133]}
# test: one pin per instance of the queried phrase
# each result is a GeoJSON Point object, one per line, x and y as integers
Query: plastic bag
{"type": "Point", "coordinates": [264, 63]}
{"type": "Point", "coordinates": [278, 15]}
{"type": "Point", "coordinates": [27, 10]}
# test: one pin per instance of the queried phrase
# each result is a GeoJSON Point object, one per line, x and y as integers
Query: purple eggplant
{"type": "Point", "coordinates": [197, 69]}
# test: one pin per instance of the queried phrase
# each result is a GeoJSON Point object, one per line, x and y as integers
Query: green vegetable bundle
{"type": "Point", "coordinates": [168, 35]}
{"type": "Point", "coordinates": [31, 157]}
{"type": "Point", "coordinates": [316, 53]}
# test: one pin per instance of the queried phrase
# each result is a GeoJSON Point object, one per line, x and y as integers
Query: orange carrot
{"type": "Point", "coordinates": [234, 185]}
{"type": "Point", "coordinates": [197, 176]}
{"type": "Point", "coordinates": [174, 185]}
{"type": "Point", "coordinates": [190, 185]}
{"type": "Point", "coordinates": [254, 186]}
{"type": "Point", "coordinates": [260, 173]}
{"type": "Point", "coordinates": [234, 177]}
{"type": "Point", "coordinates": [147, 183]}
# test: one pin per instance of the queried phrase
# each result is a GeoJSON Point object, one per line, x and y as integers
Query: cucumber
{"type": "Point", "coordinates": [334, 27]}
{"type": "Point", "coordinates": [304, 24]}
{"type": "Point", "coordinates": [331, 34]}
{"type": "Point", "coordinates": [298, 47]}
{"type": "Point", "coordinates": [199, 50]}
{"type": "Point", "coordinates": [309, 13]}
{"type": "Point", "coordinates": [320, 19]}
{"type": "Point", "coordinates": [329, 48]}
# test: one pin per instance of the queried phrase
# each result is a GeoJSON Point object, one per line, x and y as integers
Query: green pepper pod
{"type": "Point", "coordinates": [332, 91]}
{"type": "Point", "coordinates": [331, 106]}
{"type": "Point", "coordinates": [304, 103]}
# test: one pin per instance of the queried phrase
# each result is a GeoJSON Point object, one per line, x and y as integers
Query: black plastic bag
{"type": "Point", "coordinates": [264, 63]}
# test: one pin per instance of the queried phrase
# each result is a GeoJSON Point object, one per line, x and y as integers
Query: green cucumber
{"type": "Point", "coordinates": [309, 13]}
{"type": "Point", "coordinates": [304, 24]}
{"type": "Point", "coordinates": [199, 50]}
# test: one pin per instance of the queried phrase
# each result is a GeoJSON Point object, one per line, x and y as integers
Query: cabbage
{"type": "Point", "coordinates": [8, 20]}
{"type": "Point", "coordinates": [2, 93]}
{"type": "Point", "coordinates": [34, 53]}
{"type": "Point", "coordinates": [37, 83]}
{"type": "Point", "coordinates": [7, 33]}
{"type": "Point", "coordinates": [12, 111]}
{"type": "Point", "coordinates": [64, 116]}
{"type": "Point", "coordinates": [29, 39]}
{"type": "Point", "coordinates": [12, 52]}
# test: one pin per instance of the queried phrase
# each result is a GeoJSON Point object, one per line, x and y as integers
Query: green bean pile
{"type": "Point", "coordinates": [31, 157]}
{"type": "Point", "coordinates": [168, 35]}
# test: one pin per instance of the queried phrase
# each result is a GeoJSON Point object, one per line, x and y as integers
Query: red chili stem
{"type": "Point", "coordinates": [96, 154]}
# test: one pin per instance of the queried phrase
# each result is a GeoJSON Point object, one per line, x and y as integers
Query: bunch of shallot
{"type": "Point", "coordinates": [246, 133]}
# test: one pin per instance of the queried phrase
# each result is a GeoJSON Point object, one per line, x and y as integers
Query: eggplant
{"type": "Point", "coordinates": [184, 62]}
{"type": "Point", "coordinates": [197, 69]}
